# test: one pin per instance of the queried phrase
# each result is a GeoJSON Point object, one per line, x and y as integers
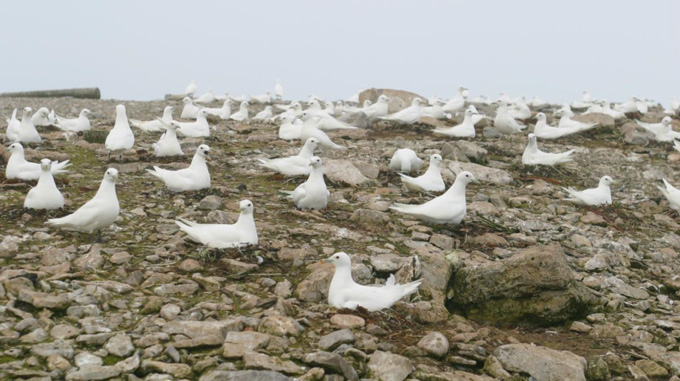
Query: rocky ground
{"type": "Point", "coordinates": [528, 286]}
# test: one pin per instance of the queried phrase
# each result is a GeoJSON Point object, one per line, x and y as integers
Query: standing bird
{"type": "Point", "coordinates": [344, 292]}
{"type": "Point", "coordinates": [297, 165]}
{"type": "Point", "coordinates": [534, 156]}
{"type": "Point", "coordinates": [405, 160]}
{"type": "Point", "coordinates": [168, 145]}
{"type": "Point", "coordinates": [409, 115]}
{"type": "Point", "coordinates": [312, 194]}
{"type": "Point", "coordinates": [13, 124]}
{"type": "Point", "coordinates": [193, 178]}
{"type": "Point", "coordinates": [602, 195]}
{"type": "Point", "coordinates": [27, 131]}
{"type": "Point", "coordinates": [98, 213]}
{"type": "Point", "coordinates": [191, 88]}
{"type": "Point", "coordinates": [506, 124]}
{"type": "Point", "coordinates": [156, 124]}
{"type": "Point", "coordinates": [19, 168]}
{"type": "Point", "coordinates": [223, 236]}
{"type": "Point", "coordinates": [430, 181]}
{"type": "Point", "coordinates": [278, 90]}
{"type": "Point", "coordinates": [121, 136]}
{"type": "Point", "coordinates": [447, 208]}
{"type": "Point", "coordinates": [45, 195]}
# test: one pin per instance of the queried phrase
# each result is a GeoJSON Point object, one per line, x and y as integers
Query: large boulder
{"type": "Point", "coordinates": [345, 172]}
{"type": "Point", "coordinates": [541, 363]}
{"type": "Point", "coordinates": [603, 120]}
{"type": "Point", "coordinates": [635, 134]}
{"type": "Point", "coordinates": [399, 99]}
{"type": "Point", "coordinates": [484, 174]}
{"type": "Point", "coordinates": [535, 286]}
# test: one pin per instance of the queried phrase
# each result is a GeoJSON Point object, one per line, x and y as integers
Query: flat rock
{"type": "Point", "coordinates": [386, 366]}
{"type": "Point", "coordinates": [541, 363]}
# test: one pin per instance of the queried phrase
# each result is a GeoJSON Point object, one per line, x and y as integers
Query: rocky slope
{"type": "Point", "coordinates": [527, 286]}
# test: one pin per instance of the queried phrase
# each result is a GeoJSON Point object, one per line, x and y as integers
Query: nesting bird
{"type": "Point", "coordinates": [430, 181]}
{"type": "Point", "coordinates": [223, 236]}
{"type": "Point", "coordinates": [601, 195]}
{"type": "Point", "coordinates": [193, 178]}
{"type": "Point", "coordinates": [19, 168]}
{"type": "Point", "coordinates": [534, 156]}
{"type": "Point", "coordinates": [297, 165]}
{"type": "Point", "coordinates": [45, 195]}
{"type": "Point", "coordinates": [405, 160]}
{"type": "Point", "coordinates": [312, 194]}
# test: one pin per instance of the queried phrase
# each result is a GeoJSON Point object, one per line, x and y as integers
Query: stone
{"type": "Point", "coordinates": [190, 265]}
{"type": "Point", "coordinates": [93, 260]}
{"type": "Point", "coordinates": [195, 329]}
{"type": "Point", "coordinates": [603, 120]}
{"type": "Point", "coordinates": [651, 368]}
{"type": "Point", "coordinates": [253, 360]}
{"type": "Point", "coordinates": [332, 362]}
{"type": "Point", "coordinates": [443, 242]}
{"type": "Point", "coordinates": [56, 362]}
{"type": "Point", "coordinates": [596, 264]}
{"type": "Point", "coordinates": [210, 202]}
{"type": "Point", "coordinates": [86, 359]}
{"type": "Point", "coordinates": [57, 347]}
{"type": "Point", "coordinates": [175, 370]}
{"type": "Point", "coordinates": [535, 286]}
{"type": "Point", "coordinates": [170, 311]}
{"type": "Point", "coordinates": [237, 343]}
{"type": "Point", "coordinates": [597, 369]}
{"type": "Point", "coordinates": [244, 375]}
{"type": "Point", "coordinates": [36, 336]}
{"type": "Point", "coordinates": [64, 331]}
{"type": "Point", "coordinates": [435, 344]}
{"type": "Point", "coordinates": [92, 372]}
{"type": "Point", "coordinates": [475, 153]}
{"type": "Point", "coordinates": [386, 366]}
{"type": "Point", "coordinates": [344, 172]}
{"type": "Point", "coordinates": [279, 326]}
{"type": "Point", "coordinates": [635, 134]}
{"type": "Point", "coordinates": [370, 216]}
{"type": "Point", "coordinates": [483, 174]}
{"type": "Point", "coordinates": [387, 262]}
{"type": "Point", "coordinates": [399, 99]}
{"type": "Point", "coordinates": [347, 321]}
{"type": "Point", "coordinates": [541, 363]}
{"type": "Point", "coordinates": [120, 258]}
{"type": "Point", "coordinates": [494, 368]}
{"type": "Point", "coordinates": [332, 340]}
{"type": "Point", "coordinates": [120, 345]}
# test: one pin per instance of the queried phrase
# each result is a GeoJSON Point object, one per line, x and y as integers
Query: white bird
{"type": "Point", "coordinates": [409, 115]}
{"type": "Point", "coordinates": [430, 181]}
{"type": "Point", "coordinates": [354, 98]}
{"type": "Point", "coordinates": [665, 132]}
{"type": "Point", "coordinates": [436, 111]}
{"type": "Point", "coordinates": [196, 129]}
{"type": "Point", "coordinates": [264, 98]}
{"type": "Point", "coordinates": [309, 130]}
{"type": "Point", "coordinates": [476, 116]}
{"type": "Point", "coordinates": [312, 194]}
{"type": "Point", "coordinates": [405, 160]}
{"type": "Point", "coordinates": [506, 124]}
{"type": "Point", "coordinates": [81, 123]}
{"type": "Point", "coordinates": [463, 130]}
{"type": "Point", "coordinates": [566, 121]}
{"type": "Point", "coordinates": [223, 236]}
{"type": "Point", "coordinates": [154, 125]}
{"type": "Point", "coordinates": [456, 103]}
{"type": "Point", "coordinates": [45, 195]}
{"type": "Point", "coordinates": [329, 108]}
{"type": "Point", "coordinates": [168, 145]}
{"type": "Point", "coordinates": [265, 114]}
{"type": "Point", "coordinates": [238, 98]}
{"type": "Point", "coordinates": [242, 113]}
{"type": "Point", "coordinates": [594, 196]}
{"type": "Point", "coordinates": [656, 128]}
{"type": "Point", "coordinates": [290, 128]}
{"type": "Point", "coordinates": [544, 131]}
{"type": "Point", "coordinates": [345, 293]}
{"type": "Point", "coordinates": [27, 132]}
{"type": "Point", "coordinates": [631, 105]}
{"type": "Point", "coordinates": [223, 112]}
{"type": "Point", "coordinates": [207, 97]}
{"type": "Point", "coordinates": [520, 111]}
{"type": "Point", "coordinates": [120, 137]}
{"type": "Point", "coordinates": [19, 168]}
{"type": "Point", "coordinates": [297, 165]}
{"type": "Point", "coordinates": [193, 178]}
{"type": "Point", "coordinates": [606, 109]}
{"type": "Point", "coordinates": [673, 107]}
{"type": "Point", "coordinates": [278, 90]}
{"type": "Point", "coordinates": [367, 109]}
{"type": "Point", "coordinates": [447, 208]}
{"type": "Point", "coordinates": [13, 127]}
{"type": "Point", "coordinates": [585, 103]}
{"type": "Point", "coordinates": [534, 156]}
{"type": "Point", "coordinates": [323, 120]}
{"type": "Point", "coordinates": [190, 110]}
{"type": "Point", "coordinates": [42, 118]}
{"type": "Point", "coordinates": [536, 102]}
{"type": "Point", "coordinates": [676, 145]}
{"type": "Point", "coordinates": [672, 194]}
{"type": "Point", "coordinates": [191, 88]}
{"type": "Point", "coordinates": [98, 213]}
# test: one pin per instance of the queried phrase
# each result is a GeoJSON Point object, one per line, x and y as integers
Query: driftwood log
{"type": "Point", "coordinates": [85, 93]}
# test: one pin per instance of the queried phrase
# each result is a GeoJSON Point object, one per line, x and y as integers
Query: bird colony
{"type": "Point", "coordinates": [387, 236]}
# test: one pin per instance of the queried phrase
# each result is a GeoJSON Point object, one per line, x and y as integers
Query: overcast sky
{"type": "Point", "coordinates": [145, 49]}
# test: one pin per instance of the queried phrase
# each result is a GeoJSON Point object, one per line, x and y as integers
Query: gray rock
{"type": "Point", "coordinates": [332, 340]}
{"type": "Point", "coordinates": [386, 366]}
{"type": "Point", "coordinates": [481, 173]}
{"type": "Point", "coordinates": [535, 286]}
{"type": "Point", "coordinates": [175, 370]}
{"type": "Point", "coordinates": [387, 262]}
{"type": "Point", "coordinates": [58, 347]}
{"type": "Point", "coordinates": [210, 202]}
{"type": "Point", "coordinates": [253, 360]}
{"type": "Point", "coordinates": [435, 344]}
{"type": "Point", "coordinates": [399, 99]}
{"type": "Point", "coordinates": [603, 120]}
{"type": "Point", "coordinates": [541, 363]}
{"type": "Point", "coordinates": [196, 329]}
{"type": "Point", "coordinates": [333, 363]}
{"type": "Point", "coordinates": [83, 359]}
{"type": "Point", "coordinates": [244, 375]}
{"type": "Point", "coordinates": [635, 134]}
{"type": "Point", "coordinates": [344, 172]}
{"type": "Point", "coordinates": [120, 345]}
{"type": "Point", "coordinates": [92, 372]}
{"type": "Point", "coordinates": [472, 151]}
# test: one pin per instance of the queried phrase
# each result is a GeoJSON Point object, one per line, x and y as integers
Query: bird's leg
{"type": "Point", "coordinates": [99, 236]}
{"type": "Point", "coordinates": [108, 160]}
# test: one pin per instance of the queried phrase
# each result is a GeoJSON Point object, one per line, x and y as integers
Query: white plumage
{"type": "Point", "coordinates": [13, 124]}
{"type": "Point", "coordinates": [290, 128]}
{"type": "Point", "coordinates": [265, 114]}
{"type": "Point", "coordinates": [534, 156]}
{"type": "Point", "coordinates": [168, 145]}
{"type": "Point", "coordinates": [196, 129]}
{"type": "Point", "coordinates": [42, 118]}
{"type": "Point", "coordinates": [505, 123]}
{"type": "Point", "coordinates": [27, 132]}
{"type": "Point", "coordinates": [223, 112]}
{"type": "Point", "coordinates": [19, 168]}
{"type": "Point", "coordinates": [45, 195]}
{"type": "Point", "coordinates": [297, 165]}
{"type": "Point", "coordinates": [121, 136]}
{"type": "Point", "coordinates": [81, 123]}
{"type": "Point", "coordinates": [242, 113]}
{"type": "Point", "coordinates": [405, 160]}
{"type": "Point", "coordinates": [154, 125]}
{"type": "Point", "coordinates": [409, 115]}
{"type": "Point", "coordinates": [193, 178]}
{"type": "Point", "coordinates": [544, 131]}
{"type": "Point", "coordinates": [190, 110]}
{"type": "Point", "coordinates": [447, 208]}
{"type": "Point", "coordinates": [463, 130]}
{"type": "Point", "coordinates": [312, 194]}
{"type": "Point", "coordinates": [344, 292]}
{"type": "Point", "coordinates": [672, 194]}
{"type": "Point", "coordinates": [309, 130]}
{"type": "Point", "coordinates": [594, 196]}
{"type": "Point", "coordinates": [222, 236]}
{"type": "Point", "coordinates": [430, 181]}
{"type": "Point", "coordinates": [191, 88]}
{"type": "Point", "coordinates": [98, 213]}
